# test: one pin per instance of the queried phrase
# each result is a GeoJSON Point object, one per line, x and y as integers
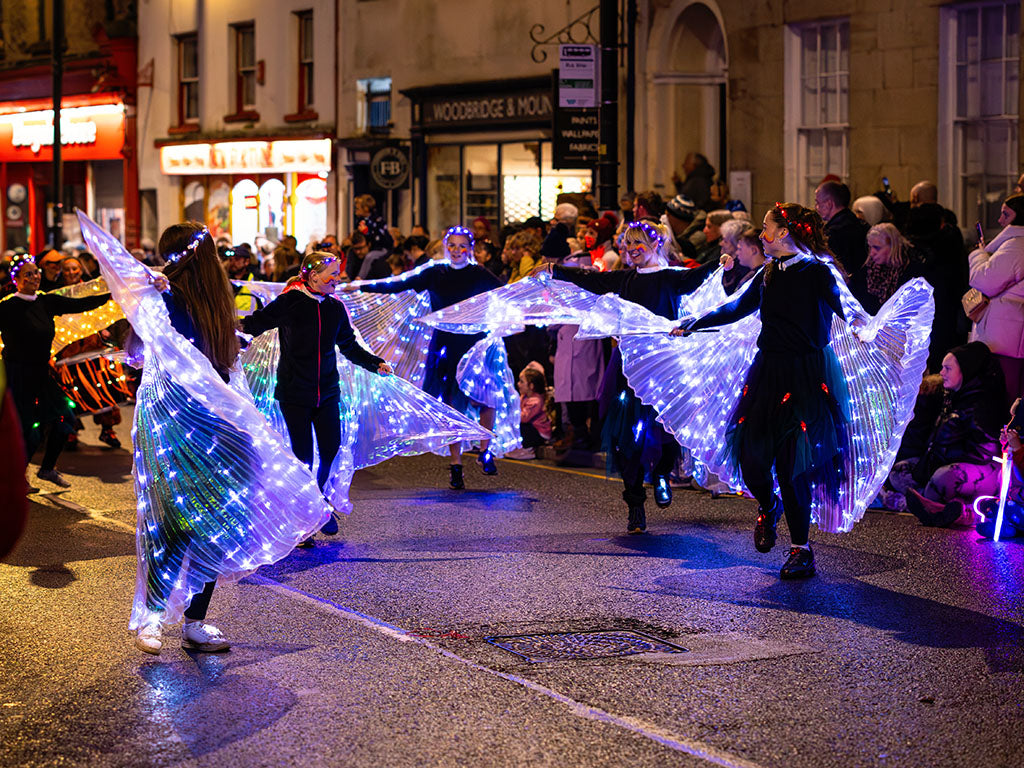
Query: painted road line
{"type": "Point", "coordinates": [647, 730]}
{"type": "Point", "coordinates": [91, 515]}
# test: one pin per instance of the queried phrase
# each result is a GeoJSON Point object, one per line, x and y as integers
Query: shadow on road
{"type": "Point", "coordinates": [55, 537]}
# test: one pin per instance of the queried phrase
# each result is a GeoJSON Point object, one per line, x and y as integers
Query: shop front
{"type": "Point", "coordinates": [250, 190]}
{"type": "Point", "coordinates": [484, 150]}
{"type": "Point", "coordinates": [95, 167]}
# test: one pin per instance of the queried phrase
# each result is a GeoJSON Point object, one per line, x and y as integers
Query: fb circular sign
{"type": "Point", "coordinates": [389, 168]}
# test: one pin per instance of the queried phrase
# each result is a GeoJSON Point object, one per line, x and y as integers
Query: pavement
{"type": "Point", "coordinates": [906, 650]}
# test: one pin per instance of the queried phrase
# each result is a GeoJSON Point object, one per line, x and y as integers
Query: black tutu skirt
{"type": "Point", "coordinates": [800, 398]}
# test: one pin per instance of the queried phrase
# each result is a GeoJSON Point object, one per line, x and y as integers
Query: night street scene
{"type": "Point", "coordinates": [464, 383]}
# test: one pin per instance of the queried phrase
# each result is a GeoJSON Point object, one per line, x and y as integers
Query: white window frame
{"type": "Point", "coordinates": [950, 149]}
{"type": "Point", "coordinates": [795, 132]}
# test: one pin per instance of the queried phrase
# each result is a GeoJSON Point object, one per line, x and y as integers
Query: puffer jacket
{"type": "Point", "coordinates": [997, 270]}
{"type": "Point", "coordinates": [967, 429]}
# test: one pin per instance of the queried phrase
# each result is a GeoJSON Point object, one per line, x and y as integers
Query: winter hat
{"type": "Point", "coordinates": [973, 359]}
{"type": "Point", "coordinates": [604, 227]}
{"type": "Point", "coordinates": [681, 207]}
{"type": "Point", "coordinates": [565, 211]}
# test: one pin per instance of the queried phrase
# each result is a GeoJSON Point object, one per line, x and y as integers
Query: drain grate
{"type": "Point", "coordinates": [594, 644]}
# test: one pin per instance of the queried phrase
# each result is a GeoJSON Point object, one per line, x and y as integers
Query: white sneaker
{"type": "Point", "coordinates": [197, 636]}
{"type": "Point", "coordinates": [148, 639]}
{"type": "Point", "coordinates": [53, 476]}
{"type": "Point", "coordinates": [522, 454]}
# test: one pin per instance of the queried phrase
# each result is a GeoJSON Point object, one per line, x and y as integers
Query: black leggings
{"type": "Point", "coordinates": [633, 470]}
{"type": "Point", "coordinates": [796, 493]}
{"type": "Point", "coordinates": [325, 420]}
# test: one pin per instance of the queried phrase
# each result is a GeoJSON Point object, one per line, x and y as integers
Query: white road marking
{"type": "Point", "coordinates": [647, 730]}
{"type": "Point", "coordinates": [92, 516]}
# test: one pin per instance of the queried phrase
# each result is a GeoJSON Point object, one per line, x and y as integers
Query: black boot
{"type": "Point", "coordinates": [455, 482]}
{"type": "Point", "coordinates": [662, 491]}
{"type": "Point", "coordinates": [637, 520]}
{"type": "Point", "coordinates": [800, 564]}
{"type": "Point", "coordinates": [765, 527]}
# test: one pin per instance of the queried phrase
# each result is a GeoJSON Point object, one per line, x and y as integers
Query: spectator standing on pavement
{"type": "Point", "coordinates": [697, 184]}
{"type": "Point", "coordinates": [711, 251]}
{"type": "Point", "coordinates": [735, 270]}
{"type": "Point", "coordinates": [891, 262]}
{"type": "Point", "coordinates": [846, 234]}
{"type": "Point", "coordinates": [997, 270]}
{"type": "Point", "coordinates": [684, 220]}
{"type": "Point", "coordinates": [371, 225]}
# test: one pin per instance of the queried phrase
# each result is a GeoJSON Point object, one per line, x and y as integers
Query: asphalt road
{"type": "Point", "coordinates": [906, 650]}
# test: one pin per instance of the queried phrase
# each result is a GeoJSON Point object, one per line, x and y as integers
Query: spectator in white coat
{"type": "Point", "coordinates": [997, 270]}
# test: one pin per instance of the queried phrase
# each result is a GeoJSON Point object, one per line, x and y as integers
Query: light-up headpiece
{"type": "Point", "coordinates": [652, 234]}
{"type": "Point", "coordinates": [17, 263]}
{"type": "Point", "coordinates": [193, 243]}
{"type": "Point", "coordinates": [455, 232]}
{"type": "Point", "coordinates": [315, 266]}
{"type": "Point", "coordinates": [800, 226]}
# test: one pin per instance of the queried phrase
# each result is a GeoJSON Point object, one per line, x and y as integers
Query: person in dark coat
{"type": "Point", "coordinates": [697, 185]}
{"type": "Point", "coordinates": [846, 234]}
{"type": "Point", "coordinates": [956, 465]}
{"type": "Point", "coordinates": [371, 225]}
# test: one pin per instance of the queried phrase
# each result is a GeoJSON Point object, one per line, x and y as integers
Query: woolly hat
{"type": "Point", "coordinates": [681, 207]}
{"type": "Point", "coordinates": [973, 359]}
{"type": "Point", "coordinates": [604, 227]}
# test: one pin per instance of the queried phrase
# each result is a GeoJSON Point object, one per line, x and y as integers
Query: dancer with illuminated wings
{"type": "Point", "coordinates": [817, 391]}
{"type": "Point", "coordinates": [219, 493]}
{"type": "Point", "coordinates": [467, 372]}
{"type": "Point", "coordinates": [634, 441]}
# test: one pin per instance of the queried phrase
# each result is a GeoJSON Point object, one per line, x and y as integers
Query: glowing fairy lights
{"type": "Point", "coordinates": [219, 492]}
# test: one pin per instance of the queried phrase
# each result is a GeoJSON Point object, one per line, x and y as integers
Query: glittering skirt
{"type": "Point", "coordinates": [801, 399]}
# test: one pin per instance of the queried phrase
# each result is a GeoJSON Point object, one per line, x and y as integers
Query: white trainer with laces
{"type": "Point", "coordinates": [53, 476]}
{"type": "Point", "coordinates": [197, 636]}
{"type": "Point", "coordinates": [148, 639]}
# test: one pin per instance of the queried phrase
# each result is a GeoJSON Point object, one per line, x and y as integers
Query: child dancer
{"type": "Point", "coordinates": [458, 278]}
{"type": "Point", "coordinates": [312, 321]}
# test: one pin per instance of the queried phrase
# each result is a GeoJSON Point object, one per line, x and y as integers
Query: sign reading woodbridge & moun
{"type": "Point", "coordinates": [522, 102]}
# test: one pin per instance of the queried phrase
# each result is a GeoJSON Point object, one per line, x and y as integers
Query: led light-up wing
{"type": "Point", "coordinates": [219, 491]}
{"type": "Point", "coordinates": [71, 328]}
{"type": "Point", "coordinates": [538, 300]}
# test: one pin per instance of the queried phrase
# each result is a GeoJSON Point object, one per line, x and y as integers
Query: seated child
{"type": "Point", "coordinates": [534, 425]}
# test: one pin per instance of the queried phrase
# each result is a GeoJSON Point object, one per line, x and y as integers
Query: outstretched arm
{"type": "Point", "coordinates": [747, 303]}
{"type": "Point", "coordinates": [414, 281]}
{"type": "Point", "coordinates": [270, 316]}
{"type": "Point", "coordinates": [65, 305]}
{"type": "Point", "coordinates": [589, 280]}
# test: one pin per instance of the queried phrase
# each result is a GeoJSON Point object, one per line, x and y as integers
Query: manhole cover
{"type": "Point", "coordinates": [596, 644]}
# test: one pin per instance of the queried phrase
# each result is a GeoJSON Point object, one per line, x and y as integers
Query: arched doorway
{"type": "Point", "coordinates": [687, 65]}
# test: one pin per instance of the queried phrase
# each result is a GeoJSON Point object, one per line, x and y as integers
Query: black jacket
{"type": "Point", "coordinates": [27, 328]}
{"type": "Point", "coordinates": [967, 429]}
{"type": "Point", "coordinates": [847, 239]}
{"type": "Point", "coordinates": [307, 373]}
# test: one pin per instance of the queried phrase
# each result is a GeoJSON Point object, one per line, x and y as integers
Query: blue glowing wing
{"type": "Point", "coordinates": [484, 376]}
{"type": "Point", "coordinates": [709, 295]}
{"type": "Point", "coordinates": [537, 300]}
{"type": "Point", "coordinates": [390, 323]}
{"type": "Point", "coordinates": [612, 315]}
{"type": "Point", "coordinates": [219, 492]}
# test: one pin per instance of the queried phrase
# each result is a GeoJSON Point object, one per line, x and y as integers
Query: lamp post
{"type": "Point", "coordinates": [608, 165]}
{"type": "Point", "coordinates": [57, 197]}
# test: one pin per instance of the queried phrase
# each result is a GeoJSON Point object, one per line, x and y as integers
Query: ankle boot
{"type": "Point", "coordinates": [637, 519]}
{"type": "Point", "coordinates": [455, 481]}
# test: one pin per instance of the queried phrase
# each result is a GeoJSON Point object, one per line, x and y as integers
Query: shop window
{"type": "Point", "coordinates": [480, 179]}
{"type": "Point", "coordinates": [818, 93]}
{"type": "Point", "coordinates": [520, 181]}
{"type": "Point", "coordinates": [218, 210]}
{"type": "Point", "coordinates": [194, 201]}
{"type": "Point", "coordinates": [979, 100]}
{"type": "Point", "coordinates": [271, 209]}
{"type": "Point", "coordinates": [555, 183]}
{"type": "Point", "coordinates": [244, 214]}
{"type": "Point", "coordinates": [310, 221]}
{"type": "Point", "coordinates": [188, 79]}
{"type": "Point", "coordinates": [373, 111]}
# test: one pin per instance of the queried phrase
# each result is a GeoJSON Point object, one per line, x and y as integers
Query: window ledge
{"type": "Point", "coordinates": [246, 116]}
{"type": "Point", "coordinates": [177, 130]}
{"type": "Point", "coordinates": [303, 116]}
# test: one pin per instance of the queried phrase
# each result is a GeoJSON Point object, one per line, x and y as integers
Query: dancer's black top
{"type": "Point", "coordinates": [26, 324]}
{"type": "Point", "coordinates": [657, 290]}
{"type": "Point", "coordinates": [796, 303]}
{"type": "Point", "coordinates": [310, 328]}
{"type": "Point", "coordinates": [445, 284]}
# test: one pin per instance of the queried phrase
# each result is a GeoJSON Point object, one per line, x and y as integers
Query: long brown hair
{"type": "Point", "coordinates": [200, 286]}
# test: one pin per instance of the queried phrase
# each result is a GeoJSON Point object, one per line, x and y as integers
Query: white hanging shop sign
{"type": "Point", "coordinates": [285, 156]}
